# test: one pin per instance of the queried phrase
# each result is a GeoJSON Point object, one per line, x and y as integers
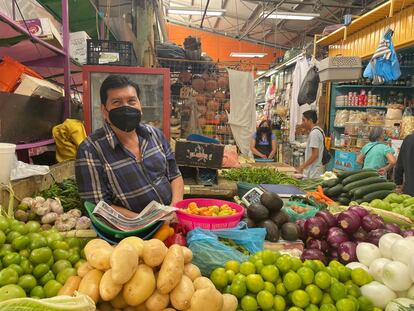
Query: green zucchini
{"type": "Point", "coordinates": [380, 194]}
{"type": "Point", "coordinates": [343, 175]}
{"type": "Point", "coordinates": [363, 182]}
{"type": "Point", "coordinates": [362, 191]}
{"type": "Point", "coordinates": [337, 190]}
{"type": "Point", "coordinates": [330, 183]}
{"type": "Point", "coordinates": [359, 176]}
{"type": "Point", "coordinates": [343, 200]}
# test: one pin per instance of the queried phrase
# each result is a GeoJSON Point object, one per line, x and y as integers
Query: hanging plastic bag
{"type": "Point", "coordinates": [210, 253]}
{"type": "Point", "coordinates": [384, 65]}
{"type": "Point", "coordinates": [309, 87]}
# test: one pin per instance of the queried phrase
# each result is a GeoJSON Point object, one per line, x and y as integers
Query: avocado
{"type": "Point", "coordinates": [290, 231]}
{"type": "Point", "coordinates": [250, 223]}
{"type": "Point", "coordinates": [257, 212]}
{"type": "Point", "coordinates": [279, 218]}
{"type": "Point", "coordinates": [272, 231]}
{"type": "Point", "coordinates": [271, 201]}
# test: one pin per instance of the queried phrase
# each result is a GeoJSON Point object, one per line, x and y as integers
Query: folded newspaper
{"type": "Point", "coordinates": [152, 213]}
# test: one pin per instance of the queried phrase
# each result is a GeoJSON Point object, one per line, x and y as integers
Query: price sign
{"type": "Point", "coordinates": [252, 196]}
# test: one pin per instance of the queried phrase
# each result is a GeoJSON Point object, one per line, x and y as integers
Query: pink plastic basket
{"type": "Point", "coordinates": [208, 222]}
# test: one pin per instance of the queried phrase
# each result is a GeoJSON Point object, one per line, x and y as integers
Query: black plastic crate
{"type": "Point", "coordinates": [97, 50]}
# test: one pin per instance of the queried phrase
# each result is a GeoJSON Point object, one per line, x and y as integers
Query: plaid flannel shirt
{"type": "Point", "coordinates": [105, 170]}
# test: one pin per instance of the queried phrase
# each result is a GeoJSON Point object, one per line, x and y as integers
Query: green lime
{"type": "Point", "coordinates": [355, 301]}
{"type": "Point", "coordinates": [52, 236]}
{"type": "Point", "coordinates": [73, 257]}
{"type": "Point", "coordinates": [311, 264]}
{"type": "Point", "coordinates": [11, 291]}
{"type": "Point", "coordinates": [238, 288]}
{"type": "Point", "coordinates": [50, 262]}
{"type": "Point", "coordinates": [360, 277]}
{"type": "Point", "coordinates": [11, 258]}
{"type": "Point", "coordinates": [24, 253]}
{"type": "Point", "coordinates": [40, 255]}
{"type": "Point", "coordinates": [312, 307]}
{"type": "Point", "coordinates": [59, 245]}
{"type": "Point", "coordinates": [2, 238]}
{"type": "Point", "coordinates": [322, 280]}
{"type": "Point", "coordinates": [37, 292]}
{"type": "Point", "coordinates": [320, 266]}
{"type": "Point", "coordinates": [26, 266]}
{"type": "Point", "coordinates": [353, 290]}
{"type": "Point", "coordinates": [281, 289]}
{"type": "Point", "coordinates": [247, 268]}
{"type": "Point", "coordinates": [335, 263]}
{"type": "Point", "coordinates": [365, 304]}
{"type": "Point", "coordinates": [8, 276]}
{"type": "Point", "coordinates": [314, 293]}
{"type": "Point", "coordinates": [227, 290]}
{"type": "Point", "coordinates": [219, 278]}
{"type": "Point", "coordinates": [59, 254]}
{"type": "Point", "coordinates": [345, 304]}
{"type": "Point", "coordinates": [47, 277]}
{"type": "Point", "coordinates": [230, 276]}
{"type": "Point", "coordinates": [254, 258]}
{"type": "Point", "coordinates": [32, 226]}
{"type": "Point", "coordinates": [27, 282]}
{"type": "Point", "coordinates": [259, 265]}
{"type": "Point", "coordinates": [40, 270]}
{"type": "Point", "coordinates": [327, 307]}
{"type": "Point", "coordinates": [254, 283]}
{"type": "Point", "coordinates": [326, 299]}
{"type": "Point", "coordinates": [17, 268]}
{"type": "Point", "coordinates": [300, 298]}
{"type": "Point", "coordinates": [21, 242]}
{"type": "Point", "coordinates": [265, 299]}
{"type": "Point", "coordinates": [248, 303]}
{"type": "Point", "coordinates": [5, 249]}
{"type": "Point", "coordinates": [284, 263]}
{"type": "Point", "coordinates": [296, 263]}
{"type": "Point", "coordinates": [338, 291]}
{"type": "Point", "coordinates": [292, 281]}
{"type": "Point", "coordinates": [279, 303]}
{"type": "Point", "coordinates": [74, 242]}
{"type": "Point", "coordinates": [344, 273]}
{"type": "Point", "coordinates": [269, 257]}
{"type": "Point", "coordinates": [79, 263]}
{"type": "Point", "coordinates": [4, 224]}
{"type": "Point", "coordinates": [52, 288]}
{"type": "Point", "coordinates": [270, 273]}
{"type": "Point", "coordinates": [63, 275]}
{"type": "Point", "coordinates": [295, 309]}
{"type": "Point", "coordinates": [232, 265]}
{"type": "Point", "coordinates": [20, 228]}
{"type": "Point", "coordinates": [270, 287]}
{"type": "Point", "coordinates": [37, 242]}
{"type": "Point", "coordinates": [306, 274]}
{"type": "Point", "coordinates": [238, 276]}
{"type": "Point", "coordinates": [332, 272]}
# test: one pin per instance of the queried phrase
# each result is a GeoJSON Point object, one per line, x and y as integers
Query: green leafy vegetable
{"type": "Point", "coordinates": [259, 176]}
{"type": "Point", "coordinates": [67, 192]}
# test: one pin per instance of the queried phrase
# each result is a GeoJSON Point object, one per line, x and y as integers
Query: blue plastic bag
{"type": "Point", "coordinates": [209, 253]}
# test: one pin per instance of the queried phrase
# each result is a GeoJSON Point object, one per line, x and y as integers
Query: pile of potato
{"type": "Point", "coordinates": [139, 275]}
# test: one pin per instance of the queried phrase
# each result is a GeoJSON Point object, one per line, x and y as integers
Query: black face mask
{"type": "Point", "coordinates": [125, 118]}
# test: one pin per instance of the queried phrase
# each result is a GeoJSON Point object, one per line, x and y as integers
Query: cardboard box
{"type": "Point", "coordinates": [196, 154]}
{"type": "Point", "coordinates": [44, 29]}
{"type": "Point", "coordinates": [78, 47]}
{"type": "Point", "coordinates": [31, 86]}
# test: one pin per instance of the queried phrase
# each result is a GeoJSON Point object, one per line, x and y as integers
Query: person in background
{"type": "Point", "coordinates": [126, 163]}
{"type": "Point", "coordinates": [376, 154]}
{"type": "Point", "coordinates": [263, 143]}
{"type": "Point", "coordinates": [404, 170]}
{"type": "Point", "coordinates": [312, 167]}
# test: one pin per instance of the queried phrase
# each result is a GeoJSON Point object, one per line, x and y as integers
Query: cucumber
{"type": "Point", "coordinates": [343, 200]}
{"type": "Point", "coordinates": [363, 182]}
{"type": "Point", "coordinates": [343, 175]}
{"type": "Point", "coordinates": [359, 176]}
{"type": "Point", "coordinates": [362, 191]}
{"type": "Point", "coordinates": [330, 183]}
{"type": "Point", "coordinates": [337, 190]}
{"type": "Point", "coordinates": [380, 194]}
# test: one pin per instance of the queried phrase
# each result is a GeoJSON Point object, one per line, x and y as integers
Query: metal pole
{"type": "Point", "coordinates": [204, 14]}
{"type": "Point", "coordinates": [66, 57]}
{"type": "Point", "coordinates": [14, 9]}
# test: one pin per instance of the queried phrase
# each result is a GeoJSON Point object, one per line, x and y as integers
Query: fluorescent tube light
{"type": "Point", "coordinates": [184, 11]}
{"type": "Point", "coordinates": [248, 55]}
{"type": "Point", "coordinates": [294, 16]}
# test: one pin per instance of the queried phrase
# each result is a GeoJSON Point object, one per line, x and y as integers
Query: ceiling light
{"type": "Point", "coordinates": [184, 11]}
{"type": "Point", "coordinates": [294, 16]}
{"type": "Point", "coordinates": [249, 55]}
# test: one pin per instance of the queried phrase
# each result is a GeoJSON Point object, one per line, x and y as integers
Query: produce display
{"type": "Point", "coordinates": [35, 263]}
{"type": "Point", "coordinates": [268, 214]}
{"type": "Point", "coordinates": [336, 237]}
{"type": "Point", "coordinates": [402, 204]}
{"type": "Point", "coordinates": [67, 192]}
{"type": "Point", "coordinates": [360, 186]}
{"type": "Point", "coordinates": [271, 281]}
{"type": "Point", "coordinates": [259, 175]}
{"type": "Point", "coordinates": [223, 210]}
{"type": "Point", "coordinates": [145, 275]}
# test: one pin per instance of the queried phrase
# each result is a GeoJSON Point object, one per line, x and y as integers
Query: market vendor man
{"type": "Point", "coordinates": [126, 163]}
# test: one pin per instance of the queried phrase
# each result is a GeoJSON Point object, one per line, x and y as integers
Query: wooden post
{"type": "Point", "coordinates": [145, 32]}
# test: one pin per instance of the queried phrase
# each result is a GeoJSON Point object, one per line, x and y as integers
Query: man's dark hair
{"type": "Point", "coordinates": [311, 115]}
{"type": "Point", "coordinates": [116, 82]}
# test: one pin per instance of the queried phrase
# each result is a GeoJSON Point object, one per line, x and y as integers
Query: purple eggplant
{"type": "Point", "coordinates": [349, 221]}
{"type": "Point", "coordinates": [360, 235]}
{"type": "Point", "coordinates": [393, 228]}
{"type": "Point", "coordinates": [347, 252]}
{"type": "Point", "coordinates": [407, 233]}
{"type": "Point", "coordinates": [313, 254]}
{"type": "Point", "coordinates": [375, 235]}
{"type": "Point", "coordinates": [372, 222]}
{"type": "Point", "coordinates": [327, 217]}
{"type": "Point", "coordinates": [362, 212]}
{"type": "Point", "coordinates": [336, 236]}
{"type": "Point", "coordinates": [317, 244]}
{"type": "Point", "coordinates": [302, 233]}
{"type": "Point", "coordinates": [316, 227]}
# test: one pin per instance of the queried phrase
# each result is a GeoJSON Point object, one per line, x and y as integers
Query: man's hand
{"type": "Point", "coordinates": [263, 156]}
{"type": "Point", "coordinates": [271, 155]}
{"type": "Point", "coordinates": [382, 171]}
{"type": "Point", "coordinates": [299, 170]}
